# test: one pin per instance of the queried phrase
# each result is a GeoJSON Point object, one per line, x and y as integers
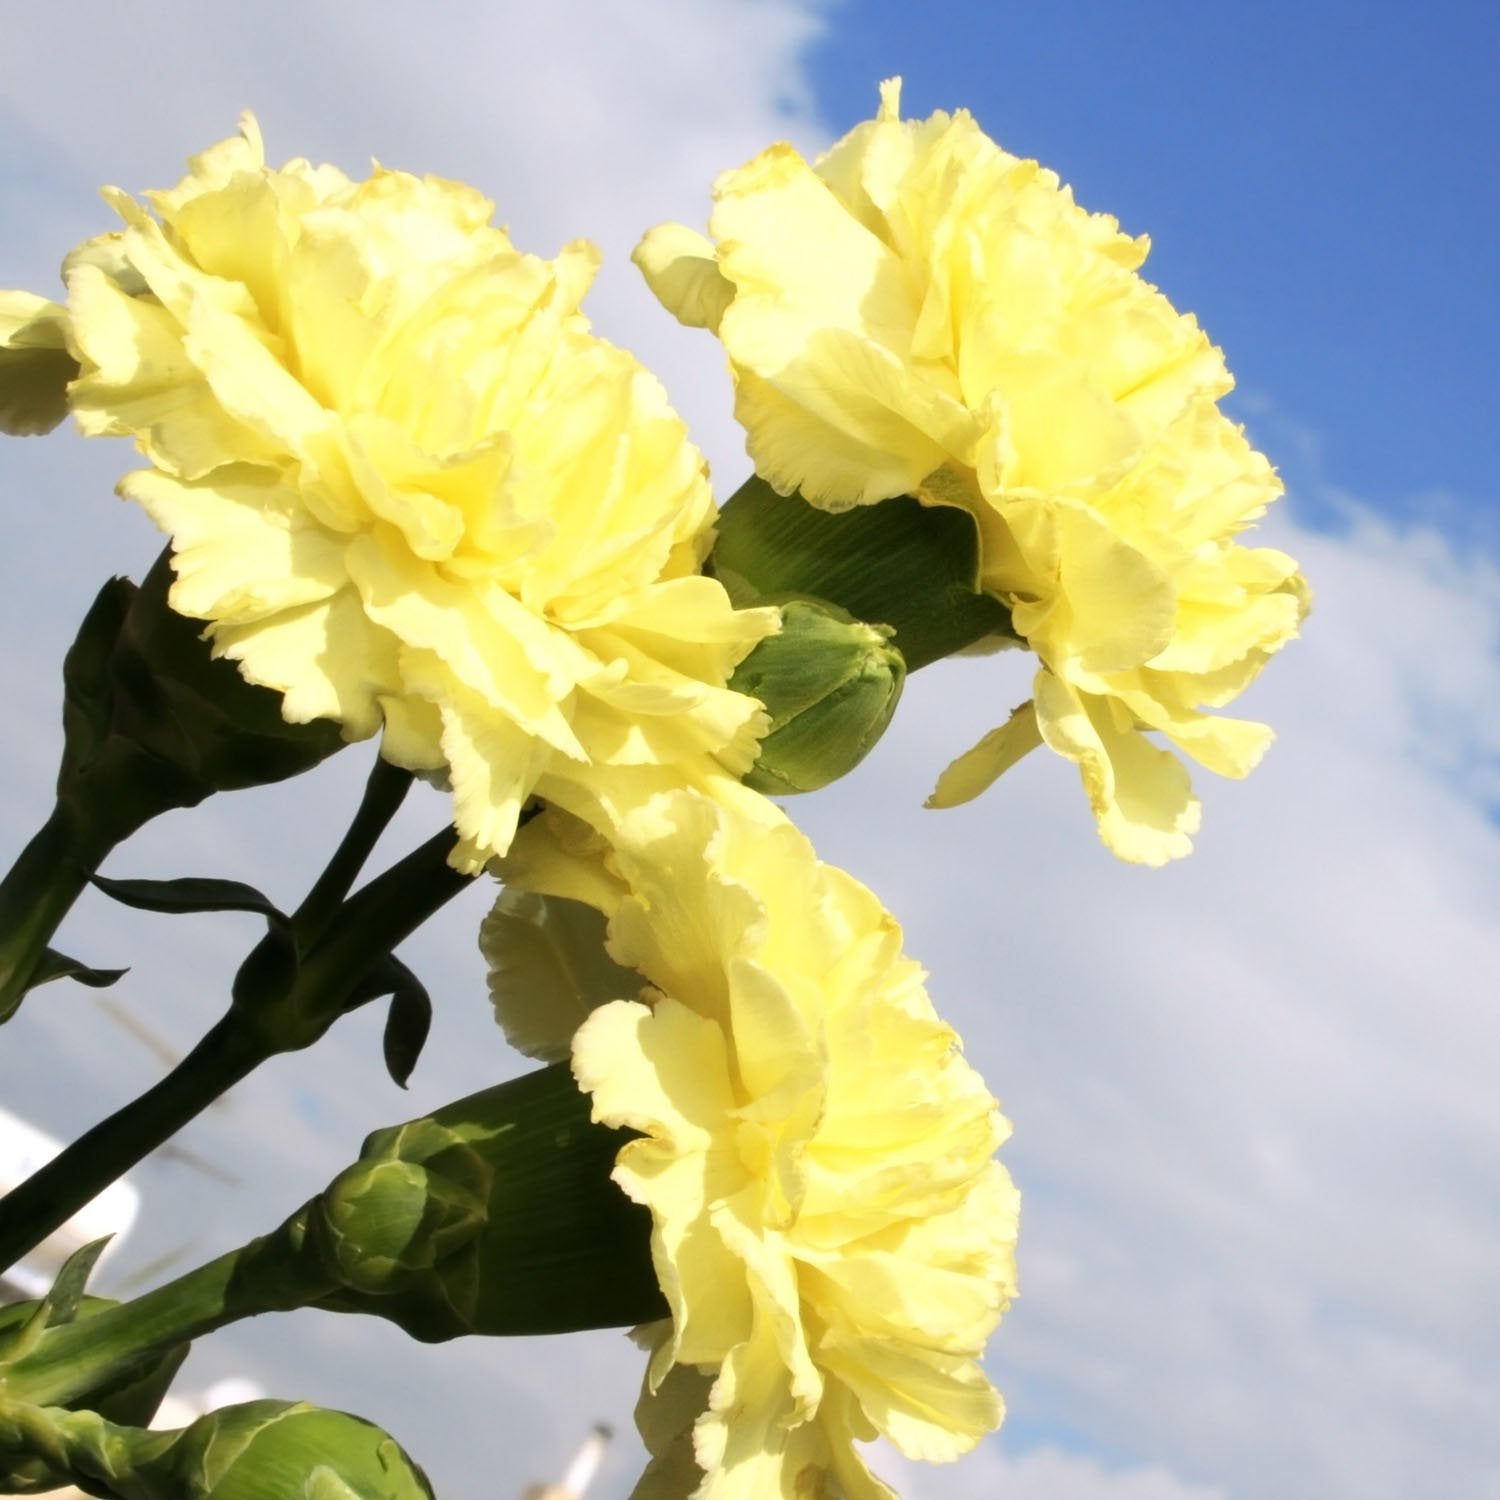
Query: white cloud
{"type": "Point", "coordinates": [1045, 1473]}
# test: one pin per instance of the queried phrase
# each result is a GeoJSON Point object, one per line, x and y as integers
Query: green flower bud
{"type": "Point", "coordinates": [277, 1450]}
{"type": "Point", "coordinates": [262, 1450]}
{"type": "Point", "coordinates": [390, 1223]}
{"type": "Point", "coordinates": [495, 1215]}
{"type": "Point", "coordinates": [830, 684]}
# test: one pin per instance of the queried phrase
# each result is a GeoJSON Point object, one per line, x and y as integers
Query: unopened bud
{"type": "Point", "coordinates": [495, 1215]}
{"type": "Point", "coordinates": [280, 1448]}
{"type": "Point", "coordinates": [387, 1223]}
{"type": "Point", "coordinates": [830, 684]}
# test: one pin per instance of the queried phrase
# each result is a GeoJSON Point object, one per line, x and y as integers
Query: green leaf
{"type": "Point", "coordinates": [71, 1282]}
{"type": "Point", "coordinates": [54, 965]}
{"type": "Point", "coordinates": [406, 1023]}
{"type": "Point", "coordinates": [191, 893]}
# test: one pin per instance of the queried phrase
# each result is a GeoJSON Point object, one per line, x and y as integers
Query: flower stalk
{"type": "Point", "coordinates": [38, 892]}
{"type": "Point", "coordinates": [493, 1215]}
{"type": "Point", "coordinates": [282, 1003]}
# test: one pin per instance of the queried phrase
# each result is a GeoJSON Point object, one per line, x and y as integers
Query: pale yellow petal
{"type": "Point", "coordinates": [931, 1406]}
{"type": "Point", "coordinates": [920, 303]}
{"type": "Point", "coordinates": [1141, 795]}
{"type": "Point", "coordinates": [35, 364]}
{"type": "Point", "coordinates": [829, 1228]}
{"type": "Point", "coordinates": [548, 970]}
{"type": "Point", "coordinates": [976, 770]}
{"type": "Point", "coordinates": [682, 270]}
{"type": "Point", "coordinates": [458, 483]}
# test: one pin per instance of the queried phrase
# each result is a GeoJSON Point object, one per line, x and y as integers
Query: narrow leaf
{"type": "Point", "coordinates": [54, 965]}
{"type": "Point", "coordinates": [191, 893]}
{"type": "Point", "coordinates": [406, 1025]}
{"type": "Point", "coordinates": [68, 1289]}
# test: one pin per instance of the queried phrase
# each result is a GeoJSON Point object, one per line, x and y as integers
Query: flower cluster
{"type": "Point", "coordinates": [405, 485]}
{"type": "Point", "coordinates": [408, 490]}
{"type": "Point", "coordinates": [831, 1231]}
{"type": "Point", "coordinates": [922, 313]}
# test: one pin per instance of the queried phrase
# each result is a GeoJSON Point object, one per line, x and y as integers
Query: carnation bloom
{"type": "Point", "coordinates": [831, 1231]}
{"type": "Point", "coordinates": [406, 487]}
{"type": "Point", "coordinates": [921, 313]}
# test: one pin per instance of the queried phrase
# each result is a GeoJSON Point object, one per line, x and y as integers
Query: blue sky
{"type": "Point", "coordinates": [1253, 1093]}
{"type": "Point", "coordinates": [1316, 180]}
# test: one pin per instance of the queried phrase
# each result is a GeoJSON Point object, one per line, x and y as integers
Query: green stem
{"type": "Point", "coordinates": [385, 790]}
{"type": "Point", "coordinates": [56, 1191]}
{"type": "Point", "coordinates": [46, 1447]}
{"type": "Point", "coordinates": [270, 1274]}
{"type": "Point", "coordinates": [303, 1005]}
{"type": "Point", "coordinates": [37, 894]}
{"type": "Point", "coordinates": [379, 917]}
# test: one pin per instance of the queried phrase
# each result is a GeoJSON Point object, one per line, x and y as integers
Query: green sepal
{"type": "Point", "coordinates": [830, 684]}
{"type": "Point", "coordinates": [899, 563]}
{"type": "Point", "coordinates": [153, 720]}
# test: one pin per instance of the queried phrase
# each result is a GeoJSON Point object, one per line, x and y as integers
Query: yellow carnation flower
{"type": "Point", "coordinates": [831, 1231]}
{"type": "Point", "coordinates": [921, 313]}
{"type": "Point", "coordinates": [405, 485]}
